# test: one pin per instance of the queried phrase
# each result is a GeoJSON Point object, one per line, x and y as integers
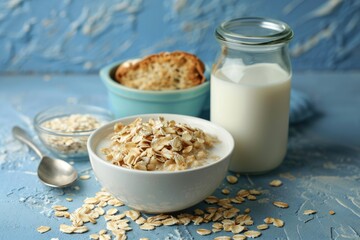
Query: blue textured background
{"type": "Point", "coordinates": [82, 36]}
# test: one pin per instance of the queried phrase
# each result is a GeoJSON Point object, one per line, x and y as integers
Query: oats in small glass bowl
{"type": "Point", "coordinates": [64, 130]}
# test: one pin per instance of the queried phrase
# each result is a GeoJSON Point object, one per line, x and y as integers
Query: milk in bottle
{"type": "Point", "coordinates": [252, 103]}
{"type": "Point", "coordinates": [250, 91]}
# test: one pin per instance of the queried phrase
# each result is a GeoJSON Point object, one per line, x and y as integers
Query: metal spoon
{"type": "Point", "coordinates": [52, 172]}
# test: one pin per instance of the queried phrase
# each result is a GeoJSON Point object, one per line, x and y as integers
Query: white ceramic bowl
{"type": "Point", "coordinates": [161, 191]}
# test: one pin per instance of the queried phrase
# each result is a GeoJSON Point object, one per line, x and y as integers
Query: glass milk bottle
{"type": "Point", "coordinates": [250, 91]}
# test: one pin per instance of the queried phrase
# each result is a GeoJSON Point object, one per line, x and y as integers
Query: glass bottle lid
{"type": "Point", "coordinates": [253, 31]}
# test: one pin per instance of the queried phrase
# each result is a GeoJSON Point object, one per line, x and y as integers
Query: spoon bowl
{"type": "Point", "coordinates": [56, 172]}
{"type": "Point", "coordinates": [52, 172]}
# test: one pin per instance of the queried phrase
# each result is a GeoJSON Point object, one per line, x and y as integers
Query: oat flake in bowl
{"type": "Point", "coordinates": [72, 123]}
{"type": "Point", "coordinates": [65, 130]}
{"type": "Point", "coordinates": [159, 145]}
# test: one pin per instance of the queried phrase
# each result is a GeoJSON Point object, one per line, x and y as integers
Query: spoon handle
{"type": "Point", "coordinates": [21, 135]}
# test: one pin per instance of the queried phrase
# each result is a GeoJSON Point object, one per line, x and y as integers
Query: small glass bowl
{"type": "Point", "coordinates": [68, 144]}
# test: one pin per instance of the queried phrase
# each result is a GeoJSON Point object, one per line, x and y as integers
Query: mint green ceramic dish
{"type": "Point", "coordinates": [125, 101]}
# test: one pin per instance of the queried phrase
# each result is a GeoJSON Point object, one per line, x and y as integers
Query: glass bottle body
{"type": "Point", "coordinates": [250, 96]}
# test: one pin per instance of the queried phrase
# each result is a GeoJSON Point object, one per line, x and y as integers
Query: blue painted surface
{"type": "Point", "coordinates": [82, 36]}
{"type": "Point", "coordinates": [321, 170]}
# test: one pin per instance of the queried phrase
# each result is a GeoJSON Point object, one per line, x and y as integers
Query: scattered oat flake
{"type": "Point", "coordinates": [85, 177]}
{"type": "Point", "coordinates": [147, 226]}
{"type": "Point", "coordinates": [62, 214]}
{"type": "Point", "coordinates": [229, 214]}
{"type": "Point", "coordinates": [66, 228]}
{"type": "Point", "coordinates": [254, 192]}
{"type": "Point", "coordinates": [217, 225]}
{"type": "Point", "coordinates": [222, 238]}
{"type": "Point", "coordinates": [203, 231]}
{"type": "Point", "coordinates": [43, 229]}
{"type": "Point", "coordinates": [275, 183]}
{"type": "Point", "coordinates": [198, 211]}
{"type": "Point", "coordinates": [133, 214]}
{"type": "Point", "coordinates": [94, 236]}
{"type": "Point", "coordinates": [309, 212]}
{"type": "Point", "coordinates": [252, 234]}
{"type": "Point", "coordinates": [269, 220]}
{"type": "Point", "coordinates": [224, 215]}
{"type": "Point", "coordinates": [155, 223]}
{"type": "Point", "coordinates": [281, 204]}
{"type": "Point", "coordinates": [170, 221]}
{"type": "Point", "coordinates": [197, 220]}
{"type": "Point", "coordinates": [59, 208]}
{"type": "Point", "coordinates": [81, 229]}
{"type": "Point", "coordinates": [232, 179]}
{"type": "Point", "coordinates": [185, 220]}
{"type": "Point", "coordinates": [278, 222]}
{"type": "Point", "coordinates": [120, 236]}
{"type": "Point", "coordinates": [239, 237]}
{"type": "Point", "coordinates": [262, 226]}
{"type": "Point", "coordinates": [211, 200]}
{"type": "Point", "coordinates": [238, 200]}
{"type": "Point", "coordinates": [140, 220]}
{"type": "Point", "coordinates": [111, 211]}
{"type": "Point", "coordinates": [225, 191]}
{"type": "Point", "coordinates": [105, 237]}
{"type": "Point", "coordinates": [331, 212]}
{"type": "Point", "coordinates": [91, 200]}
{"type": "Point", "coordinates": [227, 227]}
{"type": "Point", "coordinates": [251, 197]}
{"type": "Point", "coordinates": [237, 228]}
{"type": "Point", "coordinates": [215, 230]}
{"type": "Point", "coordinates": [69, 199]}
{"type": "Point", "coordinates": [243, 193]}
{"type": "Point", "coordinates": [115, 202]}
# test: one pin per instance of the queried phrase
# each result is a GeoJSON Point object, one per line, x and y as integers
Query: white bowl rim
{"type": "Point", "coordinates": [229, 137]}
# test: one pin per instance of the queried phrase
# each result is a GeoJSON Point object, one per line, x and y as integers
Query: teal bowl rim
{"type": "Point", "coordinates": [159, 96]}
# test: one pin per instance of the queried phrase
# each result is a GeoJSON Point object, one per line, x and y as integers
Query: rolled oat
{"type": "Point", "coordinates": [278, 222]}
{"type": "Point", "coordinates": [63, 126]}
{"type": "Point", "coordinates": [202, 231]}
{"type": "Point", "coordinates": [309, 212]}
{"type": "Point", "coordinates": [159, 145]}
{"type": "Point", "coordinates": [231, 179]}
{"type": "Point", "coordinates": [220, 211]}
{"type": "Point", "coordinates": [252, 234]}
{"type": "Point", "coordinates": [43, 229]}
{"type": "Point", "coordinates": [281, 204]}
{"type": "Point", "coordinates": [275, 183]}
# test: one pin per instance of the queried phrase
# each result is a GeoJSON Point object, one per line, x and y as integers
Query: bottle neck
{"type": "Point", "coordinates": [250, 55]}
{"type": "Point", "coordinates": [230, 47]}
